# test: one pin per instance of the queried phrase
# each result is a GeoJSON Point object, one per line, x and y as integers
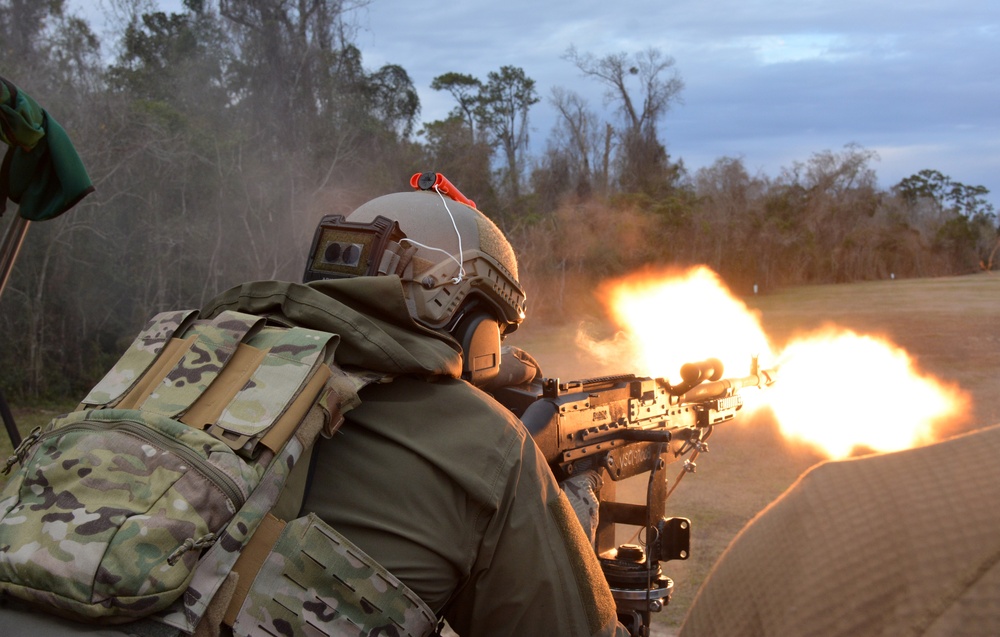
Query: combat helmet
{"type": "Point", "coordinates": [459, 272]}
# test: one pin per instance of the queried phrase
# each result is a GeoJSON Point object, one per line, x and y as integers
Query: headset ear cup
{"type": "Point", "coordinates": [479, 335]}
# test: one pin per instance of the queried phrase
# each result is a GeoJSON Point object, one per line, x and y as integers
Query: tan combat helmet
{"type": "Point", "coordinates": [453, 261]}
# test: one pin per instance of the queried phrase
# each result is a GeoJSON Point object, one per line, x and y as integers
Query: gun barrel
{"type": "Point", "coordinates": [694, 374]}
{"type": "Point", "coordinates": [727, 386]}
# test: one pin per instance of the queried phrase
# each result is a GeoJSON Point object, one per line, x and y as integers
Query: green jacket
{"type": "Point", "coordinates": [434, 479]}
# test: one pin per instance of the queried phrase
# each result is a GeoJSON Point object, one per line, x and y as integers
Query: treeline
{"type": "Point", "coordinates": [218, 136]}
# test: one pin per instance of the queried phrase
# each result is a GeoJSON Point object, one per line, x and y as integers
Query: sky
{"type": "Point", "coordinates": [772, 82]}
{"type": "Point", "coordinates": [769, 81]}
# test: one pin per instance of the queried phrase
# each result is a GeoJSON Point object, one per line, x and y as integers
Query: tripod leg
{"type": "Point", "coordinates": [8, 422]}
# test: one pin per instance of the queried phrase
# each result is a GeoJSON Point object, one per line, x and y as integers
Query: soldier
{"type": "Point", "coordinates": [432, 479]}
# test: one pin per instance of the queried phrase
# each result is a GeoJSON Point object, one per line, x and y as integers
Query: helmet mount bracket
{"type": "Point", "coordinates": [344, 249]}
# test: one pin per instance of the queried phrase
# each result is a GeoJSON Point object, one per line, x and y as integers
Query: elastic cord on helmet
{"type": "Point", "coordinates": [458, 260]}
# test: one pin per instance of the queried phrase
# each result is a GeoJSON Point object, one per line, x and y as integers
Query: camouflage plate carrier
{"type": "Point", "coordinates": [155, 494]}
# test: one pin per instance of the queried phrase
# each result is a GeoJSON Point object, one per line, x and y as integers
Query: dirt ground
{"type": "Point", "coordinates": [948, 325]}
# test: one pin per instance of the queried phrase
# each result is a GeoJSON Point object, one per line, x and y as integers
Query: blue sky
{"type": "Point", "coordinates": [773, 82]}
{"type": "Point", "coordinates": [769, 81]}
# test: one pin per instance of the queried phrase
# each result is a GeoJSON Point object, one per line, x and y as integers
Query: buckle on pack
{"type": "Point", "coordinates": [236, 442]}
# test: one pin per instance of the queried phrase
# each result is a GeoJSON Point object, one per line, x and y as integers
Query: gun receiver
{"type": "Point", "coordinates": [580, 422]}
{"type": "Point", "coordinates": [624, 426]}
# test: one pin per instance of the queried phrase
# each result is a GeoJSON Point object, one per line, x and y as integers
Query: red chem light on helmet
{"type": "Point", "coordinates": [438, 182]}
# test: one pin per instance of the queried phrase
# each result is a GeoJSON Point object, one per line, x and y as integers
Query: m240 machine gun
{"type": "Point", "coordinates": [625, 426]}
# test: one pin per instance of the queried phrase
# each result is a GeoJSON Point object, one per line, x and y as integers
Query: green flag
{"type": "Point", "coordinates": [41, 171]}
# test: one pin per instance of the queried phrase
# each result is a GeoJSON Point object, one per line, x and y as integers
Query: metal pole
{"type": "Point", "coordinates": [8, 422]}
{"type": "Point", "coordinates": [11, 247]}
{"type": "Point", "coordinates": [13, 239]}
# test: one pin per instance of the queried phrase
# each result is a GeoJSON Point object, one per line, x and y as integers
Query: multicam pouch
{"type": "Point", "coordinates": [140, 501]}
{"type": "Point", "coordinates": [314, 581]}
{"type": "Point", "coordinates": [106, 517]}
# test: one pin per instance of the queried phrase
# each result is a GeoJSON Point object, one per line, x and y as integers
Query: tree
{"type": "Point", "coordinates": [577, 133]}
{"type": "Point", "coordinates": [23, 25]}
{"type": "Point", "coordinates": [467, 93]}
{"type": "Point", "coordinates": [452, 150]}
{"type": "Point", "coordinates": [494, 113]}
{"type": "Point", "coordinates": [837, 195]}
{"type": "Point", "coordinates": [394, 99]}
{"type": "Point", "coordinates": [968, 229]}
{"type": "Point", "coordinates": [177, 59]}
{"type": "Point", "coordinates": [297, 67]}
{"type": "Point", "coordinates": [50, 55]}
{"type": "Point", "coordinates": [940, 189]}
{"type": "Point", "coordinates": [644, 87]}
{"type": "Point", "coordinates": [76, 58]}
{"type": "Point", "coordinates": [505, 100]}
{"type": "Point", "coordinates": [729, 204]}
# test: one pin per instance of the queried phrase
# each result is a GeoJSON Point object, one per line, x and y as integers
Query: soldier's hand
{"type": "Point", "coordinates": [581, 491]}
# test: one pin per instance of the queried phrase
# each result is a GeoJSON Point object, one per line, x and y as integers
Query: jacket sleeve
{"type": "Point", "coordinates": [535, 573]}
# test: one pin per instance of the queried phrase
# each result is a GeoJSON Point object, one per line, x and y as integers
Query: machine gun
{"type": "Point", "coordinates": [624, 426]}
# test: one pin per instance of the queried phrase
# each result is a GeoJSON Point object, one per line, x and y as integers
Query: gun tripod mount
{"type": "Point", "coordinates": [639, 587]}
{"type": "Point", "coordinates": [633, 570]}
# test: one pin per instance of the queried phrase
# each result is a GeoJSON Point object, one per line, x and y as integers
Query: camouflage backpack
{"type": "Point", "coordinates": [137, 506]}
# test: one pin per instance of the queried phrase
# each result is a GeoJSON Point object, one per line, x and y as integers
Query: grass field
{"type": "Point", "coordinates": [949, 325]}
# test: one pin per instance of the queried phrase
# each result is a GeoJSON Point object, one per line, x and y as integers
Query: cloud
{"type": "Point", "coordinates": [770, 80]}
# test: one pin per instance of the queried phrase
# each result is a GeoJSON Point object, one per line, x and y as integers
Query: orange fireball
{"type": "Point", "coordinates": [836, 390]}
{"type": "Point", "coordinates": [670, 319]}
{"type": "Point", "coordinates": [840, 390]}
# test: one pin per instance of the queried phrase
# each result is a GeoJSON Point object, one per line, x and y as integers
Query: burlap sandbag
{"type": "Point", "coordinates": [896, 544]}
